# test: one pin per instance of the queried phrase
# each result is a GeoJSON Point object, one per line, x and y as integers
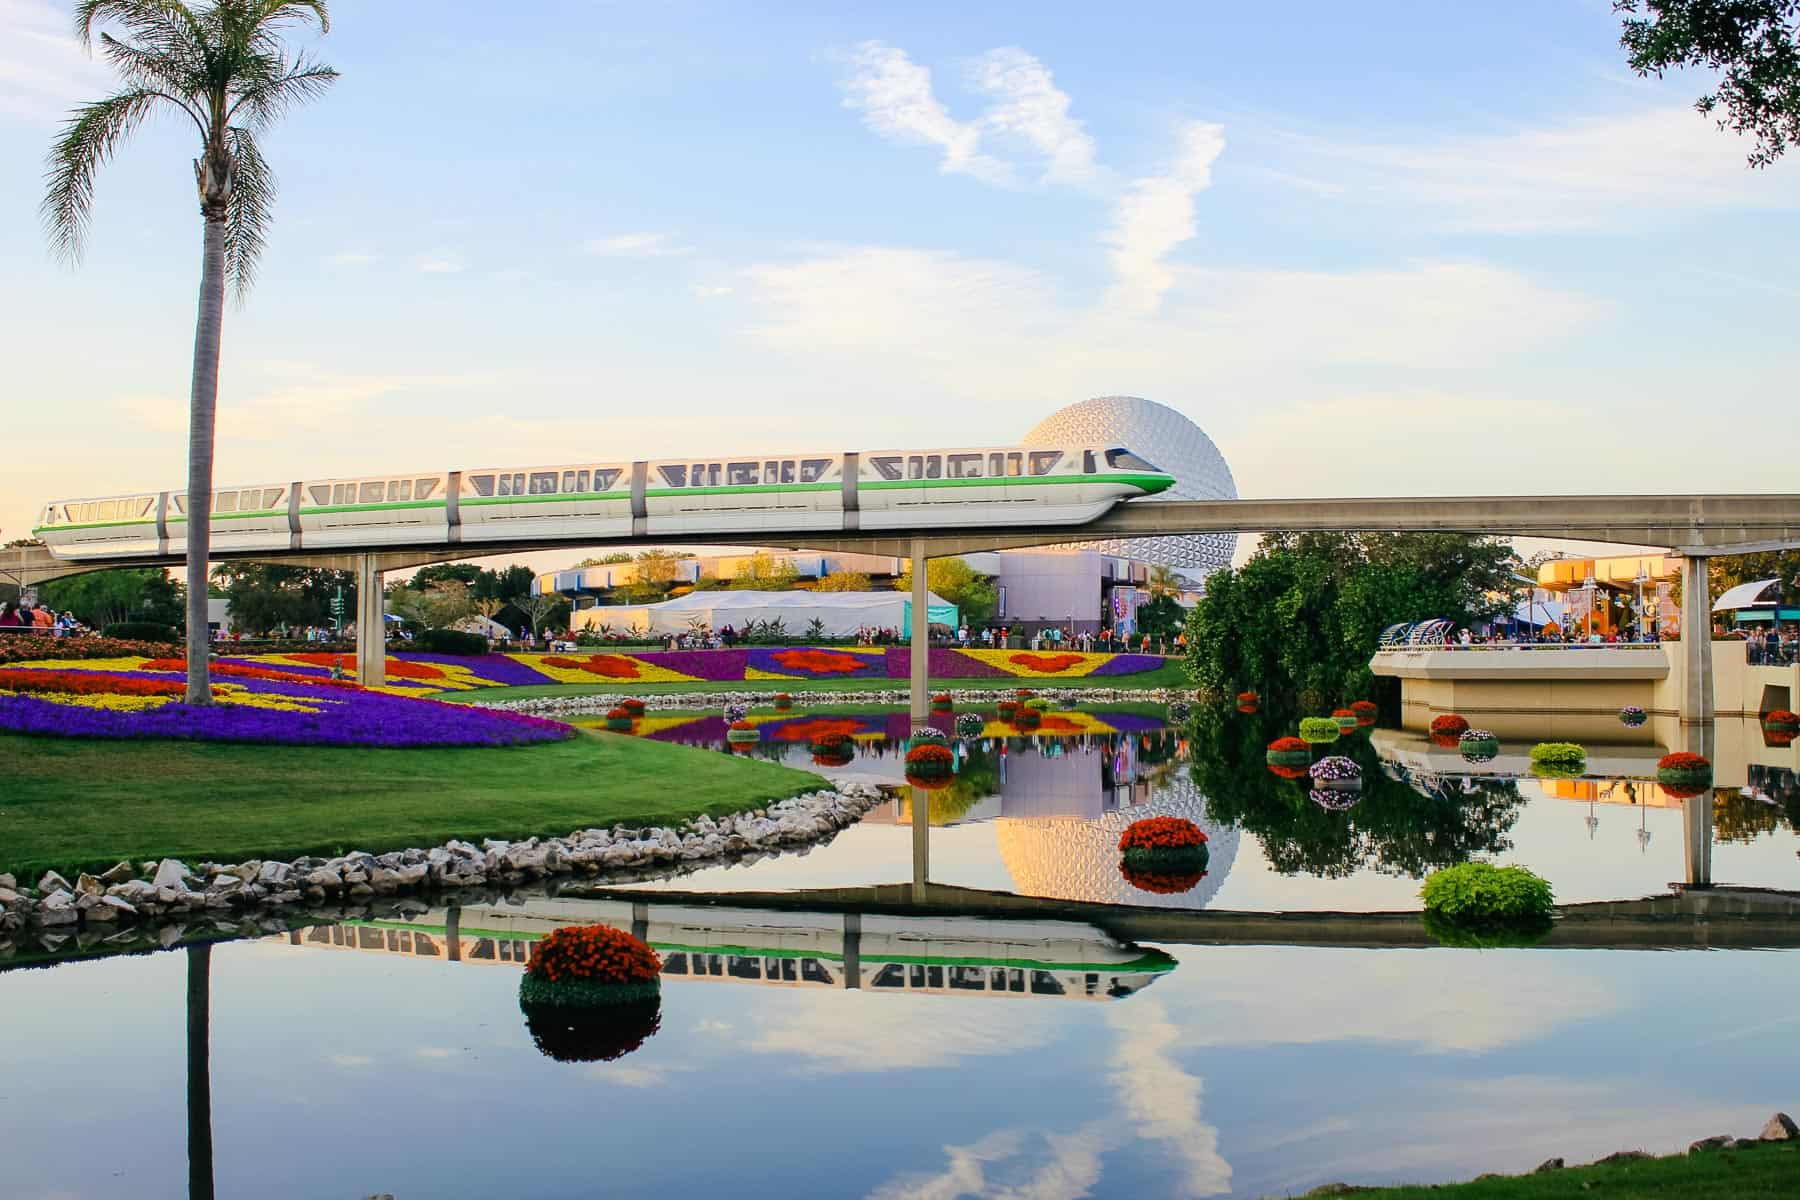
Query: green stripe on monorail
{"type": "Point", "coordinates": [1149, 483]}
{"type": "Point", "coordinates": [1150, 961]}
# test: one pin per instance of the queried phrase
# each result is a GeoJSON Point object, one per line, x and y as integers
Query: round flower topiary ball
{"type": "Point", "coordinates": [1684, 775]}
{"type": "Point", "coordinates": [1164, 846]}
{"type": "Point", "coordinates": [1319, 731]}
{"type": "Point", "coordinates": [1632, 717]}
{"type": "Point", "coordinates": [1478, 745]}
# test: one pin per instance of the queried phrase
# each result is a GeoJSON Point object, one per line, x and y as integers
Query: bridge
{"type": "Point", "coordinates": [1695, 526]}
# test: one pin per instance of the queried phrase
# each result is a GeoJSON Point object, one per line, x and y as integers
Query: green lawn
{"type": "Point", "coordinates": [1764, 1172]}
{"type": "Point", "coordinates": [1169, 675]}
{"type": "Point", "coordinates": [73, 804]}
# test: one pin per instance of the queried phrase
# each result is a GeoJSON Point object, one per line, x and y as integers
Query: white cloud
{"type": "Point", "coordinates": [1594, 173]}
{"type": "Point", "coordinates": [825, 1033]}
{"type": "Point", "coordinates": [1155, 215]}
{"type": "Point", "coordinates": [710, 291]}
{"type": "Point", "coordinates": [1030, 106]}
{"type": "Point", "coordinates": [43, 70]}
{"type": "Point", "coordinates": [1161, 1102]}
{"type": "Point", "coordinates": [634, 245]}
{"type": "Point", "coordinates": [894, 95]}
{"type": "Point", "coordinates": [439, 262]}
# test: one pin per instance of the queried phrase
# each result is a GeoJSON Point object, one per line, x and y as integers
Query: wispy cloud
{"type": "Point", "coordinates": [711, 291]}
{"type": "Point", "coordinates": [1155, 215]}
{"type": "Point", "coordinates": [1030, 106]}
{"type": "Point", "coordinates": [1593, 173]}
{"type": "Point", "coordinates": [43, 70]}
{"type": "Point", "coordinates": [439, 262]}
{"type": "Point", "coordinates": [350, 258]}
{"type": "Point", "coordinates": [634, 245]}
{"type": "Point", "coordinates": [895, 97]}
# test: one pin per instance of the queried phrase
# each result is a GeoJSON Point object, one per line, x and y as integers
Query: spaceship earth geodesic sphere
{"type": "Point", "coordinates": [1174, 443]}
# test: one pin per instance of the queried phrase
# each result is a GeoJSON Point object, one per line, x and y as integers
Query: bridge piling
{"type": "Point", "coordinates": [371, 623]}
{"type": "Point", "coordinates": [921, 632]}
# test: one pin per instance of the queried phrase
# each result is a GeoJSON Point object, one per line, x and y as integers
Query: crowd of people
{"type": "Point", "coordinates": [20, 616]}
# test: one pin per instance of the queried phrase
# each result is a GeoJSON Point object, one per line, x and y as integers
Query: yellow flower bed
{"type": "Point", "coordinates": [83, 664]}
{"type": "Point", "coordinates": [1072, 664]}
{"type": "Point", "coordinates": [114, 703]}
{"type": "Point", "coordinates": [645, 672]}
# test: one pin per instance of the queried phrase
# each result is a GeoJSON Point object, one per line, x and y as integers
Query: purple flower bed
{"type": "Point", "coordinates": [714, 666]}
{"type": "Point", "coordinates": [354, 718]}
{"type": "Point", "coordinates": [942, 663]}
{"type": "Point", "coordinates": [1132, 722]}
{"type": "Point", "coordinates": [859, 666]}
{"type": "Point", "coordinates": [498, 668]}
{"type": "Point", "coordinates": [1128, 664]}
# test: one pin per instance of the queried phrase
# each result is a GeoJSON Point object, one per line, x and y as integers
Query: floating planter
{"type": "Point", "coordinates": [1366, 712]}
{"type": "Point", "coordinates": [1028, 718]}
{"type": "Point", "coordinates": [1164, 846]}
{"type": "Point", "coordinates": [1161, 883]}
{"type": "Point", "coordinates": [1446, 730]}
{"type": "Point", "coordinates": [1346, 721]}
{"type": "Point", "coordinates": [1008, 709]}
{"type": "Point", "coordinates": [1780, 726]}
{"type": "Point", "coordinates": [1038, 704]}
{"type": "Point", "coordinates": [1336, 769]}
{"type": "Point", "coordinates": [735, 711]}
{"type": "Point", "coordinates": [833, 750]}
{"type": "Point", "coordinates": [925, 733]}
{"type": "Point", "coordinates": [743, 733]}
{"type": "Point", "coordinates": [1335, 799]}
{"type": "Point", "coordinates": [942, 703]}
{"type": "Point", "coordinates": [930, 765]}
{"type": "Point", "coordinates": [1683, 775]}
{"type": "Point", "coordinates": [632, 705]}
{"type": "Point", "coordinates": [1024, 694]}
{"type": "Point", "coordinates": [591, 993]}
{"type": "Point", "coordinates": [783, 702]}
{"type": "Point", "coordinates": [1481, 906]}
{"type": "Point", "coordinates": [1248, 702]}
{"type": "Point", "coordinates": [1289, 754]}
{"type": "Point", "coordinates": [1558, 760]}
{"type": "Point", "coordinates": [1319, 731]}
{"type": "Point", "coordinates": [1478, 745]}
{"type": "Point", "coordinates": [1179, 711]}
{"type": "Point", "coordinates": [619, 719]}
{"type": "Point", "coordinates": [1632, 717]}
{"type": "Point", "coordinates": [970, 724]}
{"type": "Point", "coordinates": [1337, 783]}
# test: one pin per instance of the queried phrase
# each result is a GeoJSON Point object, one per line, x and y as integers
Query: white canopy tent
{"type": "Point", "coordinates": [1748, 595]}
{"type": "Point", "coordinates": [841, 613]}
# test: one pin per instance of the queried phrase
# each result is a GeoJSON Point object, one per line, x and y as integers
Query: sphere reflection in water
{"type": "Point", "coordinates": [600, 1033]}
{"type": "Point", "coordinates": [1068, 858]}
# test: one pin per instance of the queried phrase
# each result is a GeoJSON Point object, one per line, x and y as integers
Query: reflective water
{"type": "Point", "coordinates": [843, 1041]}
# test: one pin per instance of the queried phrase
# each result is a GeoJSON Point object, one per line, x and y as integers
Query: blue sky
{"type": "Point", "coordinates": [1389, 249]}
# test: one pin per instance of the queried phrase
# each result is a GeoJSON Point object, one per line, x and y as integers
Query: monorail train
{"type": "Point", "coordinates": [868, 490]}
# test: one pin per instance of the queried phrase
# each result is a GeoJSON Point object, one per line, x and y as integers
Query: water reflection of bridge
{"type": "Point", "coordinates": [1008, 958]}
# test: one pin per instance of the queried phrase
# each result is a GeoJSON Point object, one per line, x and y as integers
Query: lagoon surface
{"type": "Point", "coordinates": [1030, 1053]}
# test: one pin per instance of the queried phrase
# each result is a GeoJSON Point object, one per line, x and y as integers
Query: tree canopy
{"type": "Point", "coordinates": [265, 596]}
{"type": "Point", "coordinates": [100, 598]}
{"type": "Point", "coordinates": [1305, 613]}
{"type": "Point", "coordinates": [953, 579]}
{"type": "Point", "coordinates": [1753, 46]}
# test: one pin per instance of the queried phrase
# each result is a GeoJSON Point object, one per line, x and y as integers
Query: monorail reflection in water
{"type": "Point", "coordinates": [945, 956]}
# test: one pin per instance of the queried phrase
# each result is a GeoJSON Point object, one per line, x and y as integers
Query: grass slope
{"type": "Point", "coordinates": [1169, 675]}
{"type": "Point", "coordinates": [1763, 1172]}
{"type": "Point", "coordinates": [71, 804]}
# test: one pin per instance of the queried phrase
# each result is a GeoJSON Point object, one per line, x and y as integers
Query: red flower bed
{"type": "Point", "coordinates": [1049, 664]}
{"type": "Point", "coordinates": [820, 662]}
{"type": "Point", "coordinates": [607, 666]}
{"type": "Point", "coordinates": [85, 683]}
{"type": "Point", "coordinates": [593, 954]}
{"type": "Point", "coordinates": [1162, 833]}
{"type": "Point", "coordinates": [231, 670]}
{"type": "Point", "coordinates": [399, 668]}
{"type": "Point", "coordinates": [819, 729]}
{"type": "Point", "coordinates": [1366, 711]}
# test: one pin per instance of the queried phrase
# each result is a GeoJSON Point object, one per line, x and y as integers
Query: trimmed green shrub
{"type": "Point", "coordinates": [1558, 759]}
{"type": "Point", "coordinates": [141, 631]}
{"type": "Point", "coordinates": [1477, 893]}
{"type": "Point", "coordinates": [1319, 731]}
{"type": "Point", "coordinates": [1516, 935]}
{"type": "Point", "coordinates": [1039, 703]}
{"type": "Point", "coordinates": [451, 641]}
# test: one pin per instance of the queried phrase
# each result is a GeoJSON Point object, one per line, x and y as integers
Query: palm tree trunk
{"type": "Point", "coordinates": [199, 1071]}
{"type": "Point", "coordinates": [202, 406]}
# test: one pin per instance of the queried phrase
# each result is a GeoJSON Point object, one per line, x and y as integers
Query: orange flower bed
{"type": "Point", "coordinates": [397, 667]}
{"type": "Point", "coordinates": [243, 671]}
{"type": "Point", "coordinates": [593, 954]}
{"type": "Point", "coordinates": [819, 729]}
{"type": "Point", "coordinates": [85, 683]}
{"type": "Point", "coordinates": [607, 666]}
{"type": "Point", "coordinates": [1162, 833]}
{"type": "Point", "coordinates": [820, 662]}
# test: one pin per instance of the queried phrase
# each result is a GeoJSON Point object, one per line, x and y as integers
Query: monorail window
{"type": "Point", "coordinates": [787, 470]}
{"type": "Point", "coordinates": [915, 466]}
{"type": "Point", "coordinates": [934, 466]}
{"type": "Point", "coordinates": [398, 490]}
{"type": "Point", "coordinates": [771, 473]}
{"type": "Point", "coordinates": [813, 469]}
{"type": "Point", "coordinates": [179, 501]}
{"type": "Point", "coordinates": [424, 488]}
{"type": "Point", "coordinates": [272, 496]}
{"type": "Point", "coordinates": [742, 474]}
{"type": "Point", "coordinates": [965, 466]}
{"type": "Point", "coordinates": [225, 502]}
{"type": "Point", "coordinates": [1043, 983]}
{"type": "Point", "coordinates": [320, 493]}
{"type": "Point", "coordinates": [813, 971]}
{"type": "Point", "coordinates": [483, 484]}
{"type": "Point", "coordinates": [1126, 460]}
{"type": "Point", "coordinates": [893, 975]}
{"type": "Point", "coordinates": [1087, 462]}
{"type": "Point", "coordinates": [968, 979]}
{"type": "Point", "coordinates": [372, 493]}
{"type": "Point", "coordinates": [1042, 461]}
{"type": "Point", "coordinates": [674, 476]}
{"type": "Point", "coordinates": [887, 466]}
{"type": "Point", "coordinates": [785, 967]}
{"type": "Point", "coordinates": [705, 475]}
{"type": "Point", "coordinates": [674, 964]}
{"type": "Point", "coordinates": [605, 477]}
{"type": "Point", "coordinates": [740, 966]}
{"type": "Point", "coordinates": [543, 483]}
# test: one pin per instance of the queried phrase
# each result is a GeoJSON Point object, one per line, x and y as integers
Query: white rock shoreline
{"type": "Point", "coordinates": [597, 703]}
{"type": "Point", "coordinates": [170, 887]}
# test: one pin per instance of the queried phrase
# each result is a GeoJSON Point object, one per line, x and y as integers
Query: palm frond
{"type": "Point", "coordinates": [264, 101]}
{"type": "Point", "coordinates": [89, 138]}
{"type": "Point", "coordinates": [169, 73]}
{"type": "Point", "coordinates": [252, 206]}
{"type": "Point", "coordinates": [273, 14]}
{"type": "Point", "coordinates": [144, 18]}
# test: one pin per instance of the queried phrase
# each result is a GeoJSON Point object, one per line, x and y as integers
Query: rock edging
{"type": "Point", "coordinates": [123, 894]}
{"type": "Point", "coordinates": [597, 704]}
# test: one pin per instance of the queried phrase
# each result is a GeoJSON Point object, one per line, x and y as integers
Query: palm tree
{"type": "Point", "coordinates": [224, 67]}
{"type": "Point", "coordinates": [1163, 582]}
